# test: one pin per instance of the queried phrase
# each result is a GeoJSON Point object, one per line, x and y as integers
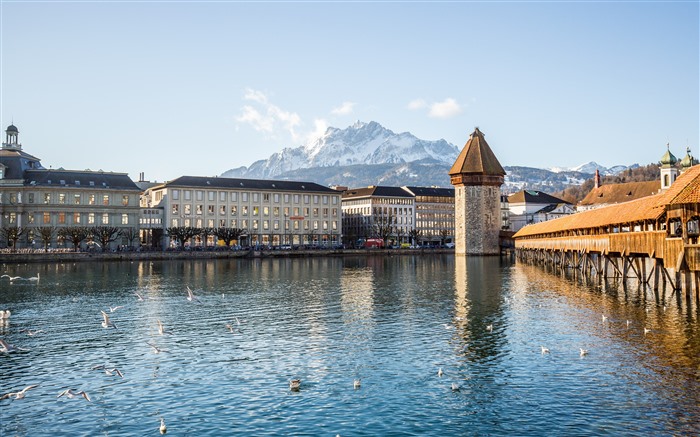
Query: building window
{"type": "Point", "coordinates": [188, 194]}
{"type": "Point", "coordinates": [91, 218]}
{"type": "Point", "coordinates": [255, 225]}
{"type": "Point", "coordinates": [234, 210]}
{"type": "Point", "coordinates": [210, 209]}
{"type": "Point", "coordinates": [175, 223]}
{"type": "Point", "coordinates": [222, 196]}
{"type": "Point", "coordinates": [276, 198]}
{"type": "Point", "coordinates": [176, 194]}
{"type": "Point", "coordinates": [234, 223]}
{"type": "Point", "coordinates": [30, 218]}
{"type": "Point", "coordinates": [76, 199]}
{"type": "Point", "coordinates": [105, 199]}
{"type": "Point", "coordinates": [325, 200]}
{"type": "Point", "coordinates": [12, 217]}
{"type": "Point", "coordinates": [61, 218]}
{"type": "Point", "coordinates": [286, 198]}
{"type": "Point", "coordinates": [256, 196]}
{"type": "Point", "coordinates": [125, 219]}
{"type": "Point", "coordinates": [244, 210]}
{"type": "Point", "coordinates": [266, 211]}
{"type": "Point", "coordinates": [188, 209]}
{"type": "Point", "coordinates": [234, 197]}
{"type": "Point", "coordinates": [199, 195]}
{"type": "Point", "coordinates": [91, 199]}
{"type": "Point", "coordinates": [296, 198]}
{"type": "Point", "coordinates": [47, 218]}
{"type": "Point", "coordinates": [199, 209]}
{"type": "Point", "coordinates": [125, 200]}
{"type": "Point", "coordinates": [266, 225]}
{"type": "Point", "coordinates": [315, 199]}
{"type": "Point", "coordinates": [244, 197]}
{"type": "Point", "coordinates": [306, 199]}
{"type": "Point", "coordinates": [105, 219]}
{"type": "Point", "coordinates": [211, 195]}
{"type": "Point", "coordinates": [210, 223]}
{"type": "Point", "coordinates": [222, 223]}
{"type": "Point", "coordinates": [256, 211]}
{"type": "Point", "coordinates": [266, 197]}
{"type": "Point", "coordinates": [30, 197]}
{"type": "Point", "coordinates": [61, 198]}
{"type": "Point", "coordinates": [76, 218]}
{"type": "Point", "coordinates": [176, 208]}
{"type": "Point", "coordinates": [276, 211]}
{"type": "Point", "coordinates": [222, 210]}
{"type": "Point", "coordinates": [244, 224]}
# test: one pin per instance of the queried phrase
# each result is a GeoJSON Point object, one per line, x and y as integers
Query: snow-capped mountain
{"type": "Point", "coordinates": [362, 143]}
{"type": "Point", "coordinates": [591, 167]}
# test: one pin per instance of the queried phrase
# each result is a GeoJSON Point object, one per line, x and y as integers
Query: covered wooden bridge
{"type": "Point", "coordinates": [653, 239]}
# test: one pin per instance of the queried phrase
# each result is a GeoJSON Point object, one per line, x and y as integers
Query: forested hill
{"type": "Point", "coordinates": [576, 193]}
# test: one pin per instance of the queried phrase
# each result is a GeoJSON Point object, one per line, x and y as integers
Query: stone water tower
{"type": "Point", "coordinates": [477, 176]}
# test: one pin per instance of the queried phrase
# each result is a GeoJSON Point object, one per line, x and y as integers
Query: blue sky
{"type": "Point", "coordinates": [175, 88]}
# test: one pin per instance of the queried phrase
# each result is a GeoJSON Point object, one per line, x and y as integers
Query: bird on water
{"type": "Point", "coordinates": [70, 393]}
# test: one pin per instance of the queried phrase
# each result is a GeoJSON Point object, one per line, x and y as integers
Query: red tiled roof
{"type": "Point", "coordinates": [477, 158]}
{"type": "Point", "coordinates": [617, 193]}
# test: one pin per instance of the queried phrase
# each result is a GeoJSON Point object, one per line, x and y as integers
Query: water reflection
{"type": "Point", "coordinates": [391, 321]}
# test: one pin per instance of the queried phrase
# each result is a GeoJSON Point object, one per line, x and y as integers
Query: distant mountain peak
{"type": "Point", "coordinates": [360, 143]}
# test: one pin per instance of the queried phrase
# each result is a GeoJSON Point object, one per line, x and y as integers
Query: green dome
{"type": "Point", "coordinates": [688, 160]}
{"type": "Point", "coordinates": [668, 158]}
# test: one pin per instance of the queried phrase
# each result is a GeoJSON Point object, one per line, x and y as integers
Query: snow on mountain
{"type": "Point", "coordinates": [361, 143]}
{"type": "Point", "coordinates": [591, 167]}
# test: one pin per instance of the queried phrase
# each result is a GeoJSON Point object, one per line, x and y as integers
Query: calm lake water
{"type": "Point", "coordinates": [392, 322]}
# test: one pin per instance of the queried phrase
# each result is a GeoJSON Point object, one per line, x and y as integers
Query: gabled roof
{"type": "Point", "coordinates": [376, 191]}
{"type": "Point", "coordinates": [534, 197]}
{"type": "Point", "coordinates": [685, 189]}
{"type": "Point", "coordinates": [82, 179]}
{"type": "Point", "coordinates": [431, 191]}
{"type": "Point", "coordinates": [552, 207]}
{"type": "Point", "coordinates": [617, 193]}
{"type": "Point", "coordinates": [247, 184]}
{"type": "Point", "coordinates": [477, 158]}
{"type": "Point", "coordinates": [16, 162]}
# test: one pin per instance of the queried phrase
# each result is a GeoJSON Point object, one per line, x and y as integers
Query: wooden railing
{"type": "Point", "coordinates": [654, 244]}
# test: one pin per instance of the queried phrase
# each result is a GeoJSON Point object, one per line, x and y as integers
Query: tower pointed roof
{"type": "Point", "coordinates": [477, 158]}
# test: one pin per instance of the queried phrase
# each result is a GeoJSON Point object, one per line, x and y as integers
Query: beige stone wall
{"type": "Point", "coordinates": [477, 220]}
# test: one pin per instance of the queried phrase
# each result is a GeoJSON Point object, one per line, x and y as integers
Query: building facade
{"type": "Point", "coordinates": [271, 213]}
{"type": "Point", "coordinates": [435, 214]}
{"type": "Point", "coordinates": [35, 201]}
{"type": "Point", "coordinates": [377, 212]}
{"type": "Point", "coordinates": [532, 206]}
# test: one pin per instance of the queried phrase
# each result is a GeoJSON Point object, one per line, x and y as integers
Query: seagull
{"type": "Point", "coordinates": [646, 331]}
{"type": "Point", "coordinates": [161, 330]}
{"type": "Point", "coordinates": [138, 296]}
{"type": "Point", "coordinates": [584, 351]}
{"type": "Point", "coordinates": [455, 386]}
{"type": "Point", "coordinates": [628, 323]}
{"type": "Point", "coordinates": [237, 328]}
{"type": "Point", "coordinates": [162, 428]}
{"type": "Point", "coordinates": [32, 333]}
{"type": "Point", "coordinates": [106, 323]}
{"type": "Point", "coordinates": [190, 295]}
{"type": "Point", "coordinates": [5, 314]}
{"type": "Point", "coordinates": [605, 318]}
{"type": "Point", "coordinates": [156, 349]}
{"type": "Point", "coordinates": [72, 394]}
{"type": "Point", "coordinates": [7, 347]}
{"type": "Point", "coordinates": [109, 372]}
{"type": "Point", "coordinates": [34, 278]}
{"type": "Point", "coordinates": [357, 383]}
{"type": "Point", "coordinates": [489, 327]}
{"type": "Point", "coordinates": [544, 350]}
{"type": "Point", "coordinates": [294, 384]}
{"type": "Point", "coordinates": [113, 309]}
{"type": "Point", "coordinates": [18, 395]}
{"type": "Point", "coordinates": [440, 372]}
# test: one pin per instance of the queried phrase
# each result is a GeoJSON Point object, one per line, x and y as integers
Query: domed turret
{"type": "Point", "coordinates": [668, 158]}
{"type": "Point", "coordinates": [688, 160]}
{"type": "Point", "coordinates": [12, 128]}
{"type": "Point", "coordinates": [11, 138]}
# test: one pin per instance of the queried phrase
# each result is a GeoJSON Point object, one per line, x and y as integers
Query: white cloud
{"type": "Point", "coordinates": [344, 109]}
{"type": "Point", "coordinates": [445, 109]}
{"type": "Point", "coordinates": [266, 117]}
{"type": "Point", "coordinates": [417, 104]}
{"type": "Point", "coordinates": [320, 128]}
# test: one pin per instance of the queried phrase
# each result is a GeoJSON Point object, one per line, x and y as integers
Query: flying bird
{"type": "Point", "coordinates": [7, 347]}
{"type": "Point", "coordinates": [162, 330]}
{"type": "Point", "coordinates": [110, 372]}
{"type": "Point", "coordinates": [113, 309]}
{"type": "Point", "coordinates": [70, 393]}
{"type": "Point", "coordinates": [18, 395]}
{"type": "Point", "coordinates": [32, 333]}
{"type": "Point", "coordinates": [106, 323]}
{"type": "Point", "coordinates": [584, 352]}
{"type": "Point", "coordinates": [190, 295]}
{"type": "Point", "coordinates": [544, 350]}
{"type": "Point", "coordinates": [156, 349]}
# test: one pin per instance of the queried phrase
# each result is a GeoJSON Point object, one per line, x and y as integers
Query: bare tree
{"type": "Point", "coordinates": [414, 234]}
{"type": "Point", "coordinates": [46, 234]}
{"type": "Point", "coordinates": [75, 234]}
{"type": "Point", "coordinates": [384, 226]}
{"type": "Point", "coordinates": [11, 233]}
{"type": "Point", "coordinates": [444, 233]}
{"type": "Point", "coordinates": [228, 234]}
{"type": "Point", "coordinates": [105, 235]}
{"type": "Point", "coordinates": [130, 234]}
{"type": "Point", "coordinates": [182, 233]}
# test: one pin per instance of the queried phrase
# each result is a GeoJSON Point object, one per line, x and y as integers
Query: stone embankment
{"type": "Point", "coordinates": [64, 256]}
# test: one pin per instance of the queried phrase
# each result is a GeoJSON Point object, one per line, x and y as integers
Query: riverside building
{"type": "Point", "coordinates": [37, 203]}
{"type": "Point", "coordinates": [271, 213]}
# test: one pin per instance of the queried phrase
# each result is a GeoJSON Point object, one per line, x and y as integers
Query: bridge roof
{"type": "Point", "coordinates": [686, 189]}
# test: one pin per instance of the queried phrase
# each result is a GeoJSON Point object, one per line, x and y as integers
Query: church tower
{"type": "Point", "coordinates": [477, 176]}
{"type": "Point", "coordinates": [669, 172]}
